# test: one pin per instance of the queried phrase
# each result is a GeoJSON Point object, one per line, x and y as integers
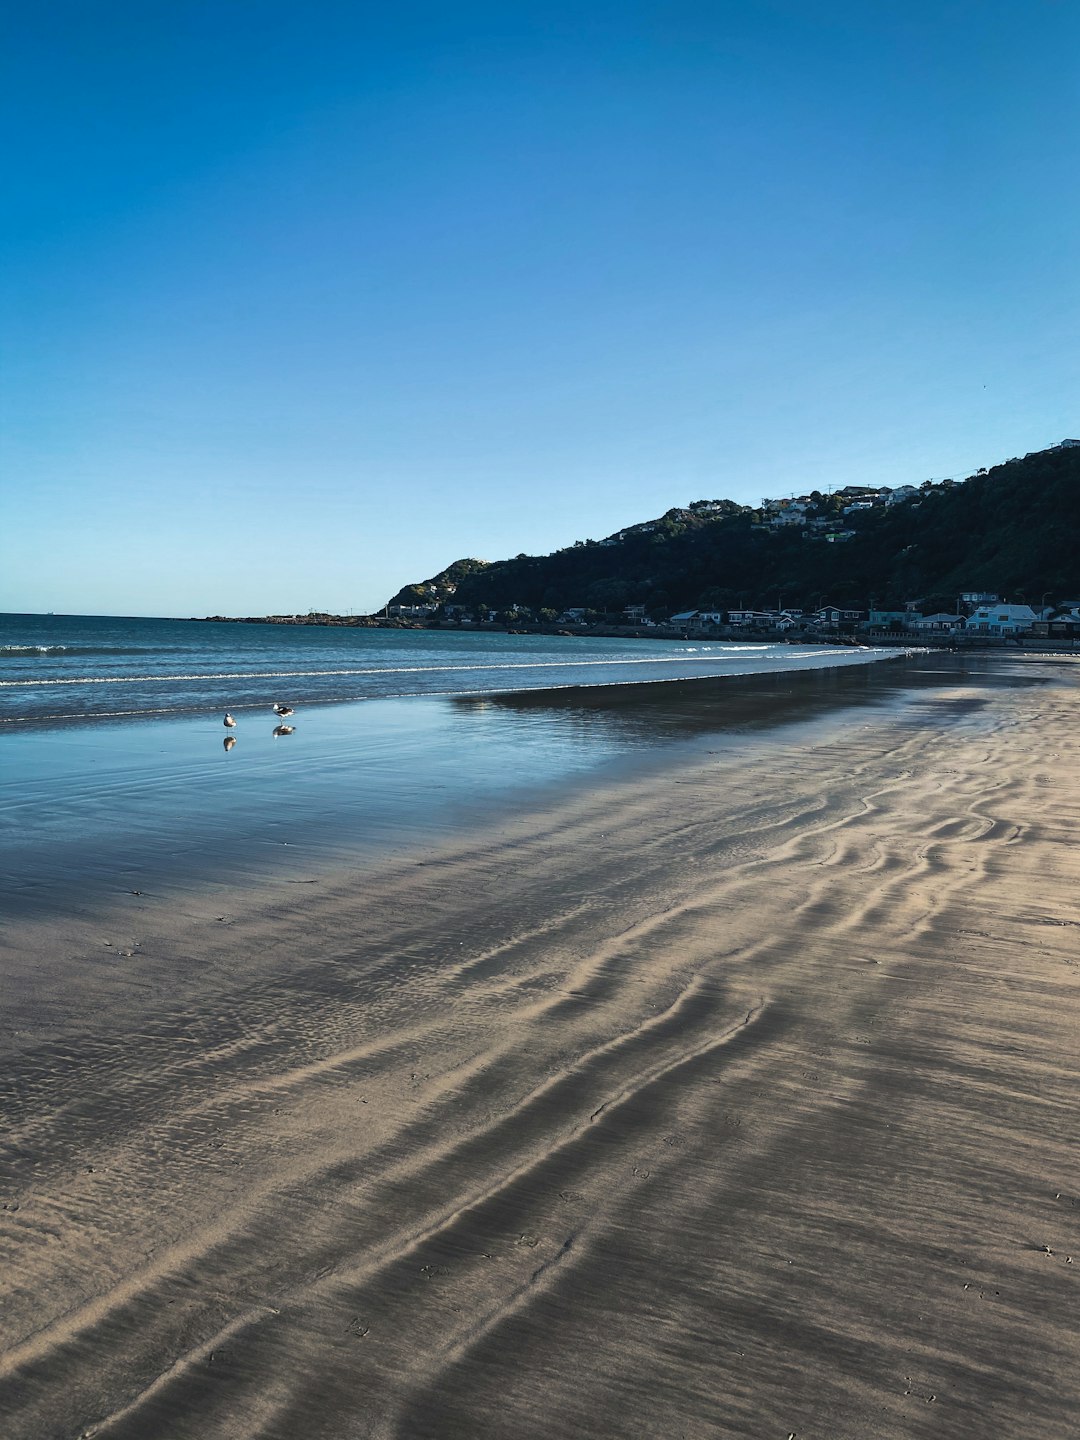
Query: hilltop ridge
{"type": "Point", "coordinates": [1013, 529]}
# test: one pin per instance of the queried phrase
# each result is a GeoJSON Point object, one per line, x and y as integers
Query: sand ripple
{"type": "Point", "coordinates": [732, 1105]}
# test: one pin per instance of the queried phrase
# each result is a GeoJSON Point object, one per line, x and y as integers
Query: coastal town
{"type": "Point", "coordinates": [976, 616]}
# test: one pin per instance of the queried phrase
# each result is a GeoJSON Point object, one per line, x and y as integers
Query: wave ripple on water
{"type": "Point", "coordinates": [55, 668]}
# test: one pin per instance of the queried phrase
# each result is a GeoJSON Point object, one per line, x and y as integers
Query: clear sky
{"type": "Point", "coordinates": [301, 302]}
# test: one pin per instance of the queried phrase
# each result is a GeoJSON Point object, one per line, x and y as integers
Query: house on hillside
{"type": "Point", "coordinates": [411, 612]}
{"type": "Point", "coordinates": [789, 515]}
{"type": "Point", "coordinates": [1001, 620]}
{"type": "Point", "coordinates": [901, 494]}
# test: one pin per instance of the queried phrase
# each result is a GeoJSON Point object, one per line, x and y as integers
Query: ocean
{"type": "Point", "coordinates": [117, 774]}
{"type": "Point", "coordinates": [57, 668]}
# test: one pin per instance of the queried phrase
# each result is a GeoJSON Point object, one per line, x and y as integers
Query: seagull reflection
{"type": "Point", "coordinates": [280, 730]}
{"type": "Point", "coordinates": [230, 741]}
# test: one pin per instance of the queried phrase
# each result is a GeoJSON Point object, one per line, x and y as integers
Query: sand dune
{"type": "Point", "coordinates": [735, 1103]}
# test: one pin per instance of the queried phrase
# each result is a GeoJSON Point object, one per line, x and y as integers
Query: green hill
{"type": "Point", "coordinates": [1014, 530]}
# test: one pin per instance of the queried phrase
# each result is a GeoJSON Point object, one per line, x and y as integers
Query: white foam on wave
{"type": "Point", "coordinates": [19, 650]}
{"type": "Point", "coordinates": [464, 668]}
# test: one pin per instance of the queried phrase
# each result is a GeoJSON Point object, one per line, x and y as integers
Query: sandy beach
{"type": "Point", "coordinates": [733, 1101]}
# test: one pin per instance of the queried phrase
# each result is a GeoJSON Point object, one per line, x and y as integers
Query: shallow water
{"type": "Point", "coordinates": [81, 668]}
{"type": "Point", "coordinates": [117, 773]}
{"type": "Point", "coordinates": [89, 811]}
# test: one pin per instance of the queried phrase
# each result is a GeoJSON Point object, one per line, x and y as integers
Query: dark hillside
{"type": "Point", "coordinates": [1014, 529]}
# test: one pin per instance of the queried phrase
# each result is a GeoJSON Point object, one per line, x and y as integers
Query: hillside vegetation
{"type": "Point", "coordinates": [1014, 530]}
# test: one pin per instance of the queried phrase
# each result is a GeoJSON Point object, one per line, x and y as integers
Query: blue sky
{"type": "Point", "coordinates": [300, 303]}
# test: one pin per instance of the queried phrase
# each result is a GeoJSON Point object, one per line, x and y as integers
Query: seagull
{"type": "Point", "coordinates": [283, 710]}
{"type": "Point", "coordinates": [280, 730]}
{"type": "Point", "coordinates": [229, 721]}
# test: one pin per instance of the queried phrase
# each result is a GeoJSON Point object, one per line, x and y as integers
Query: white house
{"type": "Point", "coordinates": [940, 621]}
{"type": "Point", "coordinates": [1001, 620]}
{"type": "Point", "coordinates": [900, 494]}
{"type": "Point", "coordinates": [411, 612]}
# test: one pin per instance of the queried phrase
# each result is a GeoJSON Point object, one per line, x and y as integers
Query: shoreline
{"type": "Point", "coordinates": [109, 808]}
{"type": "Point", "coordinates": [730, 1099]}
{"type": "Point", "coordinates": [730, 635]}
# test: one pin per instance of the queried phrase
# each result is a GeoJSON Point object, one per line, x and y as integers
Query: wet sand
{"type": "Point", "coordinates": [735, 1101]}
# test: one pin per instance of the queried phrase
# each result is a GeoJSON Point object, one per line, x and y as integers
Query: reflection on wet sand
{"type": "Point", "coordinates": [681, 709]}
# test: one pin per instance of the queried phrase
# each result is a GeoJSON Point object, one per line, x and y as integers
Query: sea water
{"type": "Point", "coordinates": [117, 773]}
{"type": "Point", "coordinates": [63, 668]}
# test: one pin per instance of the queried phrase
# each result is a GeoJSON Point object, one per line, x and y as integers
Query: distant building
{"type": "Point", "coordinates": [939, 622]}
{"type": "Point", "coordinates": [1066, 445]}
{"type": "Point", "coordinates": [901, 494]}
{"type": "Point", "coordinates": [1002, 620]}
{"type": "Point", "coordinates": [754, 619]}
{"type": "Point", "coordinates": [836, 615]}
{"type": "Point", "coordinates": [411, 612]}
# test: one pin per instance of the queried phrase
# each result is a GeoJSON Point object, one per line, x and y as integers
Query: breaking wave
{"type": "Point", "coordinates": [18, 652]}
